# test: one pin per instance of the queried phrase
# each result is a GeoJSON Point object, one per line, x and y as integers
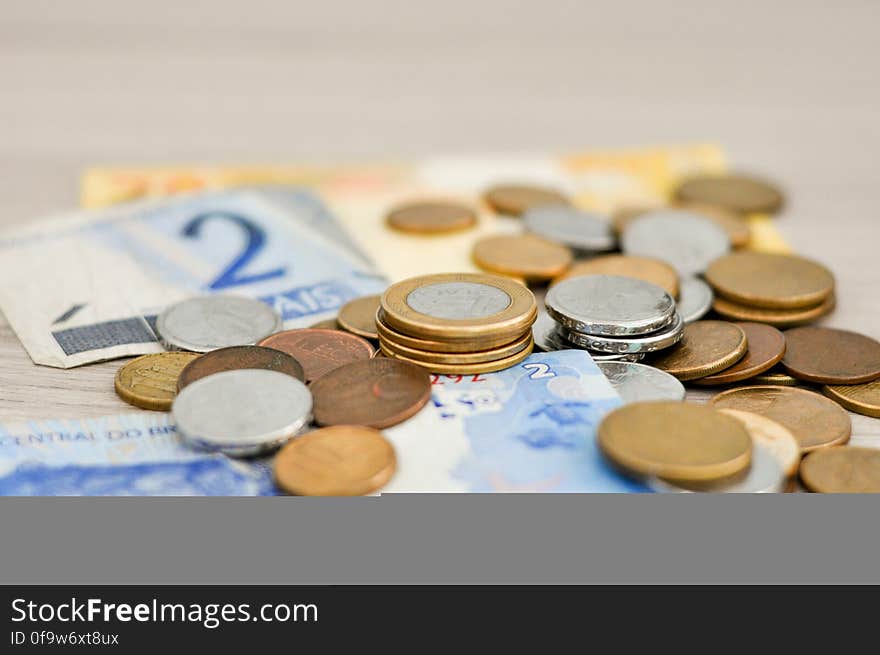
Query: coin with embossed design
{"type": "Point", "coordinates": [150, 381]}
{"type": "Point", "coordinates": [320, 351]}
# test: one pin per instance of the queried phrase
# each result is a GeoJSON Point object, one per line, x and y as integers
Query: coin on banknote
{"type": "Point", "coordinates": [431, 217]}
{"type": "Point", "coordinates": [341, 460]}
{"type": "Point", "coordinates": [763, 476]}
{"type": "Point", "coordinates": [525, 255]}
{"type": "Point", "coordinates": [469, 368]}
{"type": "Point", "coordinates": [375, 392]}
{"type": "Point", "coordinates": [775, 376]}
{"type": "Point", "coordinates": [743, 194]}
{"type": "Point", "coordinates": [733, 224]}
{"type": "Point", "coordinates": [770, 281]}
{"type": "Point", "coordinates": [686, 241]}
{"type": "Point", "coordinates": [572, 227]}
{"type": "Point", "coordinates": [642, 343]}
{"type": "Point", "coordinates": [766, 346]}
{"type": "Point", "coordinates": [776, 317]}
{"type": "Point", "coordinates": [675, 440]}
{"type": "Point", "coordinates": [860, 398]}
{"type": "Point", "coordinates": [774, 436]}
{"type": "Point", "coordinates": [647, 269]}
{"type": "Point", "coordinates": [358, 316]}
{"type": "Point", "coordinates": [516, 199]}
{"type": "Point", "coordinates": [150, 381]}
{"type": "Point", "coordinates": [831, 356]}
{"type": "Point", "coordinates": [694, 299]}
{"type": "Point", "coordinates": [706, 348]}
{"type": "Point", "coordinates": [638, 382]}
{"type": "Point", "coordinates": [842, 470]}
{"type": "Point", "coordinates": [320, 351]}
{"type": "Point", "coordinates": [238, 357]}
{"type": "Point", "coordinates": [815, 421]}
{"type": "Point", "coordinates": [242, 412]}
{"type": "Point", "coordinates": [204, 323]}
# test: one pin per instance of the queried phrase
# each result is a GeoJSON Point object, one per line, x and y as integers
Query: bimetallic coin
{"type": "Point", "coordinates": [238, 357]}
{"type": "Point", "coordinates": [358, 316]}
{"type": "Point", "coordinates": [473, 357]}
{"type": "Point", "coordinates": [484, 342]}
{"type": "Point", "coordinates": [764, 476]}
{"type": "Point", "coordinates": [204, 323]}
{"type": "Point", "coordinates": [831, 356]}
{"type": "Point", "coordinates": [646, 269]}
{"type": "Point", "coordinates": [572, 227]}
{"type": "Point", "coordinates": [320, 351]}
{"type": "Point", "coordinates": [485, 367]}
{"type": "Point", "coordinates": [774, 436]}
{"type": "Point", "coordinates": [342, 460]}
{"type": "Point", "coordinates": [775, 376]}
{"type": "Point", "coordinates": [431, 217]}
{"type": "Point", "coordinates": [150, 381]}
{"type": "Point", "coordinates": [686, 241]}
{"type": "Point", "coordinates": [706, 348]}
{"type": "Point", "coordinates": [609, 305]}
{"type": "Point", "coordinates": [675, 440]}
{"type": "Point", "coordinates": [842, 470]}
{"type": "Point", "coordinates": [516, 199]}
{"type": "Point", "coordinates": [815, 421]}
{"type": "Point", "coordinates": [638, 383]}
{"type": "Point", "coordinates": [766, 346]}
{"type": "Point", "coordinates": [738, 193]}
{"type": "Point", "coordinates": [694, 299]}
{"type": "Point", "coordinates": [242, 412]}
{"type": "Point", "coordinates": [524, 255]}
{"type": "Point", "coordinates": [777, 317]}
{"type": "Point", "coordinates": [860, 398]}
{"type": "Point", "coordinates": [664, 338]}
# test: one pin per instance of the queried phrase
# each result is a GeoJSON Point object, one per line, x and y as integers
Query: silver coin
{"type": "Point", "coordinates": [638, 382]}
{"type": "Point", "coordinates": [205, 323]}
{"type": "Point", "coordinates": [548, 338]}
{"type": "Point", "coordinates": [664, 338]}
{"type": "Point", "coordinates": [242, 412]}
{"type": "Point", "coordinates": [765, 475]}
{"type": "Point", "coordinates": [570, 226]}
{"type": "Point", "coordinates": [615, 357]}
{"type": "Point", "coordinates": [694, 299]}
{"type": "Point", "coordinates": [458, 300]}
{"type": "Point", "coordinates": [685, 240]}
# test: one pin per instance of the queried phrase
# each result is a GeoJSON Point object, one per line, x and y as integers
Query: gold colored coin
{"type": "Point", "coordinates": [646, 269]}
{"type": "Point", "coordinates": [517, 199]}
{"type": "Point", "coordinates": [486, 342]}
{"type": "Point", "coordinates": [775, 376]}
{"type": "Point", "coordinates": [358, 316]}
{"type": "Point", "coordinates": [769, 280]}
{"type": "Point", "coordinates": [815, 421]}
{"type": "Point", "coordinates": [706, 348]}
{"type": "Point", "coordinates": [737, 230]}
{"type": "Point", "coordinates": [775, 437]}
{"type": "Point", "coordinates": [842, 470]}
{"type": "Point", "coordinates": [474, 357]}
{"type": "Point", "coordinates": [432, 217]}
{"type": "Point", "coordinates": [780, 318]}
{"type": "Point", "coordinates": [485, 367]}
{"type": "Point", "coordinates": [860, 398]}
{"type": "Point", "coordinates": [329, 324]}
{"type": "Point", "coordinates": [675, 440]}
{"type": "Point", "coordinates": [150, 381]}
{"type": "Point", "coordinates": [737, 193]}
{"type": "Point", "coordinates": [342, 460]}
{"type": "Point", "coordinates": [523, 255]}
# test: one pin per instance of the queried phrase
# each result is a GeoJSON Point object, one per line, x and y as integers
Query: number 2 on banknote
{"type": "Point", "coordinates": [255, 239]}
{"type": "Point", "coordinates": [539, 370]}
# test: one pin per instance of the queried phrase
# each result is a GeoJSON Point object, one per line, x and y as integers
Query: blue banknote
{"type": "Point", "coordinates": [529, 428]}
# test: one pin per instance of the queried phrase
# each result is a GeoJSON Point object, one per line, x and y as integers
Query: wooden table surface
{"type": "Point", "coordinates": [790, 89]}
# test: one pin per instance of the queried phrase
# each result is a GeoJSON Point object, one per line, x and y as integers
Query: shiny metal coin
{"type": "Point", "coordinates": [685, 240]}
{"type": "Point", "coordinates": [694, 299]}
{"type": "Point", "coordinates": [638, 382]}
{"type": "Point", "coordinates": [668, 336]}
{"type": "Point", "coordinates": [609, 305]}
{"type": "Point", "coordinates": [458, 300]}
{"type": "Point", "coordinates": [615, 357]}
{"type": "Point", "coordinates": [572, 227]}
{"type": "Point", "coordinates": [205, 323]}
{"type": "Point", "coordinates": [548, 338]}
{"type": "Point", "coordinates": [765, 475]}
{"type": "Point", "coordinates": [242, 412]}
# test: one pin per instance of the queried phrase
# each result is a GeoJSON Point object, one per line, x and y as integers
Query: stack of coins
{"type": "Point", "coordinates": [457, 322]}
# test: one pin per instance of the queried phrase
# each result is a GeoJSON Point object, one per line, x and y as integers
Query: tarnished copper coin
{"type": "Point", "coordinates": [431, 217]}
{"type": "Point", "coordinates": [860, 398]}
{"type": "Point", "coordinates": [150, 381]}
{"type": "Point", "coordinates": [769, 280]}
{"type": "Point", "coordinates": [238, 357]}
{"type": "Point", "coordinates": [516, 199]}
{"type": "Point", "coordinates": [705, 348]}
{"type": "Point", "coordinates": [737, 229]}
{"type": "Point", "coordinates": [646, 269]}
{"type": "Point", "coordinates": [815, 421]}
{"type": "Point", "coordinates": [775, 376]}
{"type": "Point", "coordinates": [743, 194]}
{"type": "Point", "coordinates": [526, 255]}
{"type": "Point", "coordinates": [375, 392]}
{"type": "Point", "coordinates": [831, 356]}
{"type": "Point", "coordinates": [777, 317]}
{"type": "Point", "coordinates": [358, 316]}
{"type": "Point", "coordinates": [842, 470]}
{"type": "Point", "coordinates": [320, 351]}
{"type": "Point", "coordinates": [766, 348]}
{"type": "Point", "coordinates": [342, 460]}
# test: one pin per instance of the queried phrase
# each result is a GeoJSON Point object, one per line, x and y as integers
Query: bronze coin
{"type": "Point", "coordinates": [769, 280]}
{"type": "Point", "coordinates": [320, 351]}
{"type": "Point", "coordinates": [831, 356]}
{"type": "Point", "coordinates": [738, 231]}
{"type": "Point", "coordinates": [705, 348]}
{"type": "Point", "coordinates": [815, 421]}
{"type": "Point", "coordinates": [738, 193]}
{"type": "Point", "coordinates": [328, 324]}
{"type": "Point", "coordinates": [471, 357]}
{"type": "Point", "coordinates": [486, 342]}
{"type": "Point", "coordinates": [524, 255]}
{"type": "Point", "coordinates": [646, 269]}
{"type": "Point", "coordinates": [375, 392]}
{"type": "Point", "coordinates": [842, 470]}
{"type": "Point", "coordinates": [431, 217]}
{"type": "Point", "coordinates": [517, 199]}
{"type": "Point", "coordinates": [150, 381]}
{"type": "Point", "coordinates": [358, 316]}
{"type": "Point", "coordinates": [777, 317]}
{"type": "Point", "coordinates": [237, 357]}
{"type": "Point", "coordinates": [766, 348]}
{"type": "Point", "coordinates": [775, 376]}
{"type": "Point", "coordinates": [859, 398]}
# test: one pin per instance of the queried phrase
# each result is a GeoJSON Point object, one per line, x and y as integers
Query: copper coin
{"type": "Point", "coordinates": [815, 421]}
{"type": "Point", "coordinates": [342, 460]}
{"type": "Point", "coordinates": [646, 269]}
{"type": "Point", "coordinates": [777, 317]}
{"type": "Point", "coordinates": [738, 193]}
{"type": "Point", "coordinates": [705, 348]}
{"type": "Point", "coordinates": [328, 324]}
{"type": "Point", "coordinates": [769, 280]}
{"type": "Point", "coordinates": [775, 376]}
{"type": "Point", "coordinates": [375, 392]}
{"type": "Point", "coordinates": [238, 357]}
{"type": "Point", "coordinates": [358, 316]}
{"type": "Point", "coordinates": [831, 356]}
{"type": "Point", "coordinates": [150, 381]}
{"type": "Point", "coordinates": [859, 398]}
{"type": "Point", "coordinates": [516, 199]}
{"type": "Point", "coordinates": [431, 217]}
{"type": "Point", "coordinates": [320, 351]}
{"type": "Point", "coordinates": [766, 348]}
{"type": "Point", "coordinates": [737, 229]}
{"type": "Point", "coordinates": [525, 255]}
{"type": "Point", "coordinates": [842, 470]}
